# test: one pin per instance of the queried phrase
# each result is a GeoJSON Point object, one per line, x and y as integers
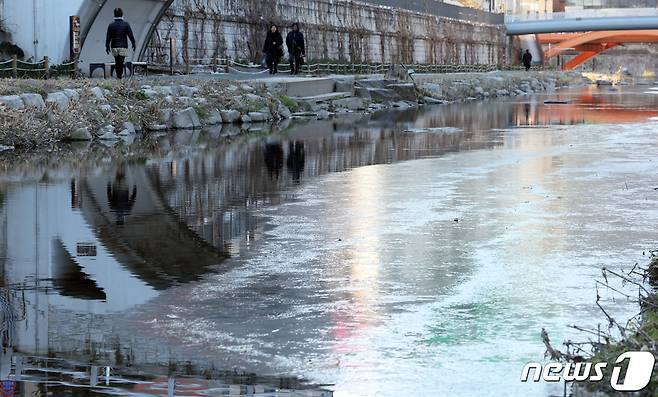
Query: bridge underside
{"type": "Point", "coordinates": [143, 16]}
{"type": "Point", "coordinates": [588, 24]}
{"type": "Point", "coordinates": [590, 44]}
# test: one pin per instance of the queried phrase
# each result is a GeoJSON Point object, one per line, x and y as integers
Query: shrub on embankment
{"type": "Point", "coordinates": [638, 334]}
{"type": "Point", "coordinates": [35, 113]}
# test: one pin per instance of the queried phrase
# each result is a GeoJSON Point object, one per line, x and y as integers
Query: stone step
{"type": "Point", "coordinates": [323, 97]}
{"type": "Point", "coordinates": [304, 87]}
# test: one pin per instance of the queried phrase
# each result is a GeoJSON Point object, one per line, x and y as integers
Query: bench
{"type": "Point", "coordinates": [128, 67]}
{"type": "Point", "coordinates": [134, 65]}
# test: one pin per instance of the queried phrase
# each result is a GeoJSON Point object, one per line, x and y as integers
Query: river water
{"type": "Point", "coordinates": [410, 253]}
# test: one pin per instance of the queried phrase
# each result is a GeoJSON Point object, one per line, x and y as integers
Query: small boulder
{"type": "Point", "coordinates": [257, 117]}
{"type": "Point", "coordinates": [350, 103]}
{"type": "Point", "coordinates": [187, 91]}
{"type": "Point", "coordinates": [214, 118]}
{"type": "Point", "coordinates": [34, 101]}
{"type": "Point", "coordinates": [130, 127]}
{"type": "Point", "coordinates": [165, 90]}
{"type": "Point", "coordinates": [105, 129]}
{"type": "Point", "coordinates": [283, 111]}
{"type": "Point", "coordinates": [97, 92]}
{"type": "Point", "coordinates": [109, 136]}
{"type": "Point", "coordinates": [186, 119]}
{"type": "Point", "coordinates": [363, 92]}
{"type": "Point", "coordinates": [184, 100]}
{"type": "Point", "coordinates": [433, 89]}
{"type": "Point", "coordinates": [245, 119]}
{"type": "Point", "coordinates": [150, 94]}
{"type": "Point", "coordinates": [12, 101]}
{"type": "Point", "coordinates": [165, 116]}
{"type": "Point", "coordinates": [106, 109]}
{"type": "Point", "coordinates": [80, 134]}
{"type": "Point", "coordinates": [404, 91]}
{"type": "Point", "coordinates": [344, 84]}
{"type": "Point", "coordinates": [253, 97]}
{"type": "Point", "coordinates": [72, 94]}
{"type": "Point", "coordinates": [230, 116]}
{"type": "Point", "coordinates": [323, 114]}
{"type": "Point", "coordinates": [433, 101]}
{"type": "Point", "coordinates": [156, 127]}
{"type": "Point", "coordinates": [247, 88]}
{"type": "Point", "coordinates": [59, 99]}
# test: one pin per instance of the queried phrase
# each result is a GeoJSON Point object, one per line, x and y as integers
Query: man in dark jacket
{"type": "Point", "coordinates": [296, 48]}
{"type": "Point", "coordinates": [116, 41]}
{"type": "Point", "coordinates": [527, 60]}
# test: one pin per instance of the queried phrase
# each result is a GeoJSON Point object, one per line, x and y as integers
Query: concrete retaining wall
{"type": "Point", "coordinates": [336, 30]}
{"type": "Point", "coordinates": [40, 27]}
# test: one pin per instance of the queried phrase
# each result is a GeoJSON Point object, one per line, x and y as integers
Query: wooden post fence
{"type": "Point", "coordinates": [46, 67]}
{"type": "Point", "coordinates": [14, 66]}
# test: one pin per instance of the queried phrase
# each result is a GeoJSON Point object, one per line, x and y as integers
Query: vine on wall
{"type": "Point", "coordinates": [335, 30]}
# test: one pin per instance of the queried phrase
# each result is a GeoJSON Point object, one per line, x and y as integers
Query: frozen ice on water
{"type": "Point", "coordinates": [445, 130]}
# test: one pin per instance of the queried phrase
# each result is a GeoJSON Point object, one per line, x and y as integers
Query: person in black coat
{"type": "Point", "coordinates": [116, 40]}
{"type": "Point", "coordinates": [296, 48]}
{"type": "Point", "coordinates": [272, 49]}
{"type": "Point", "coordinates": [527, 60]}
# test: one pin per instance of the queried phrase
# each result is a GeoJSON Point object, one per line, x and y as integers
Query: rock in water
{"type": "Point", "coordinates": [283, 111]}
{"type": "Point", "coordinates": [214, 118]}
{"type": "Point", "coordinates": [109, 136]}
{"type": "Point", "coordinates": [257, 117]}
{"type": "Point", "coordinates": [80, 134]}
{"type": "Point", "coordinates": [186, 119]}
{"type": "Point", "coordinates": [230, 116]}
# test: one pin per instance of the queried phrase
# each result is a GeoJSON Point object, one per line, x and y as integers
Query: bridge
{"type": "Point", "coordinates": [589, 32]}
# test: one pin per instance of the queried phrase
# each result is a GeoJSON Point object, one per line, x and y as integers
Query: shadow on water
{"type": "Point", "coordinates": [82, 241]}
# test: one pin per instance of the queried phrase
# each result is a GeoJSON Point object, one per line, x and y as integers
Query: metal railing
{"type": "Point", "coordinates": [223, 65]}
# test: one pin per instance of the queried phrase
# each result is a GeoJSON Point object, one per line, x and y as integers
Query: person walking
{"type": "Point", "coordinates": [272, 49]}
{"type": "Point", "coordinates": [296, 48]}
{"type": "Point", "coordinates": [527, 60]}
{"type": "Point", "coordinates": [116, 40]}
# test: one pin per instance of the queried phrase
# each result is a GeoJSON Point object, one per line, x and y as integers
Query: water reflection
{"type": "Point", "coordinates": [164, 232]}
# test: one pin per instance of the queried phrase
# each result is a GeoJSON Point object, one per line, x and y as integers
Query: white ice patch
{"type": "Point", "coordinates": [443, 130]}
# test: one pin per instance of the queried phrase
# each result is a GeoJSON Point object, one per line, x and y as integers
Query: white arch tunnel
{"type": "Point", "coordinates": [41, 27]}
{"type": "Point", "coordinates": [96, 15]}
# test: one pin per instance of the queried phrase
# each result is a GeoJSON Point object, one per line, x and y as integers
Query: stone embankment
{"type": "Point", "coordinates": [35, 113]}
